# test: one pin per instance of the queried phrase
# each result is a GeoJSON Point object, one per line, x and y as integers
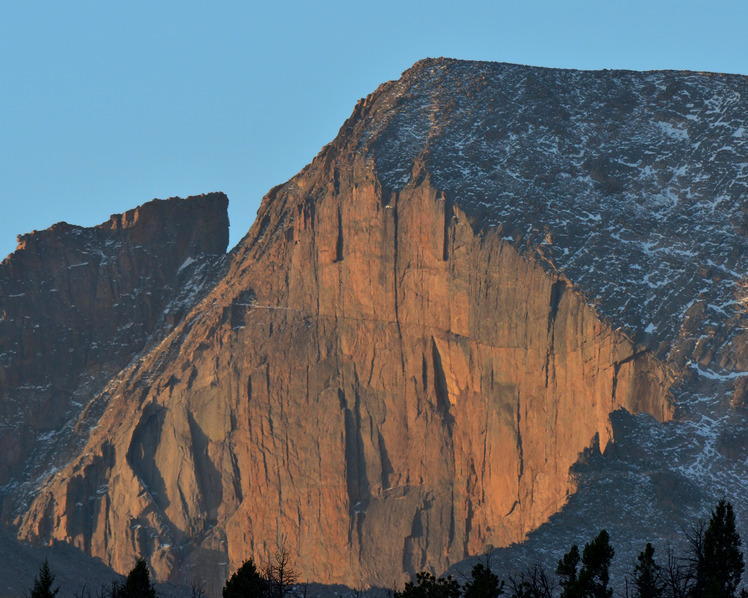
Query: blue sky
{"type": "Point", "coordinates": [106, 105]}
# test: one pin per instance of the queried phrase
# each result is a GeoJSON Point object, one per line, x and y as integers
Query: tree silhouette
{"type": "Point", "coordinates": [648, 575]}
{"type": "Point", "coordinates": [568, 574]}
{"type": "Point", "coordinates": [43, 583]}
{"type": "Point", "coordinates": [427, 586]}
{"type": "Point", "coordinates": [137, 584]}
{"type": "Point", "coordinates": [483, 583]}
{"type": "Point", "coordinates": [592, 578]}
{"type": "Point", "coordinates": [720, 566]}
{"type": "Point", "coordinates": [280, 576]}
{"type": "Point", "coordinates": [677, 575]}
{"type": "Point", "coordinates": [246, 582]}
{"type": "Point", "coordinates": [533, 582]}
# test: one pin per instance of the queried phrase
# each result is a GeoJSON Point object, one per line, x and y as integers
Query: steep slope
{"type": "Point", "coordinates": [72, 569]}
{"type": "Point", "coordinates": [426, 327]}
{"type": "Point", "coordinates": [77, 304]}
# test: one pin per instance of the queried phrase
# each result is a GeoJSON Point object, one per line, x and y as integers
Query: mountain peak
{"type": "Point", "coordinates": [77, 303]}
{"type": "Point", "coordinates": [432, 332]}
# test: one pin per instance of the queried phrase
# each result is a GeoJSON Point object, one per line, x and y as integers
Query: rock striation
{"type": "Point", "coordinates": [400, 364]}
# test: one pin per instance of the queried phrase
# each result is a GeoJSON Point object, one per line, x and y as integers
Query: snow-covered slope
{"type": "Point", "coordinates": [633, 184]}
{"type": "Point", "coordinates": [635, 187]}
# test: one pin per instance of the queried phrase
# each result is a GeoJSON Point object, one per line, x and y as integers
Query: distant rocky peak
{"type": "Point", "coordinates": [198, 222]}
{"type": "Point", "coordinates": [78, 303]}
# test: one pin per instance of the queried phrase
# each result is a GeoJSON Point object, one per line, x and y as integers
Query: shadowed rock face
{"type": "Point", "coordinates": [78, 303]}
{"type": "Point", "coordinates": [397, 369]}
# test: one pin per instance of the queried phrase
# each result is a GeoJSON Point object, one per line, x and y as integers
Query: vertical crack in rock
{"type": "Point", "coordinates": [441, 390]}
{"type": "Point", "coordinates": [617, 369]}
{"type": "Point", "coordinates": [339, 242]}
{"type": "Point", "coordinates": [208, 478]}
{"type": "Point", "coordinates": [357, 480]}
{"type": "Point", "coordinates": [448, 215]}
{"type": "Point", "coordinates": [385, 463]}
{"type": "Point", "coordinates": [519, 441]}
{"type": "Point", "coordinates": [557, 291]}
{"type": "Point", "coordinates": [397, 286]}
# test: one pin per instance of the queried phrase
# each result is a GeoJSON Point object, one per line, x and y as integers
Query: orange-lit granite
{"type": "Point", "coordinates": [424, 329]}
{"type": "Point", "coordinates": [373, 385]}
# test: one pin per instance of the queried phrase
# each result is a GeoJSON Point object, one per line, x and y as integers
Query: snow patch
{"type": "Point", "coordinates": [186, 263]}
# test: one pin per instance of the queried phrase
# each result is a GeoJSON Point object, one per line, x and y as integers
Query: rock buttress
{"type": "Point", "coordinates": [77, 304]}
{"type": "Point", "coordinates": [374, 386]}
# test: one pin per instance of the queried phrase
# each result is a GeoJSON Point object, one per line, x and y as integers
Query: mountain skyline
{"type": "Point", "coordinates": [108, 106]}
{"type": "Point", "coordinates": [504, 298]}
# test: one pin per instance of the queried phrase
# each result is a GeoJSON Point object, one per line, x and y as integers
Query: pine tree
{"type": "Point", "coordinates": [246, 582]}
{"type": "Point", "coordinates": [568, 574]}
{"type": "Point", "coordinates": [595, 573]}
{"type": "Point", "coordinates": [722, 563]}
{"type": "Point", "coordinates": [592, 578]}
{"type": "Point", "coordinates": [43, 583]}
{"type": "Point", "coordinates": [427, 586]}
{"type": "Point", "coordinates": [137, 584]}
{"type": "Point", "coordinates": [648, 575]}
{"type": "Point", "coordinates": [483, 583]}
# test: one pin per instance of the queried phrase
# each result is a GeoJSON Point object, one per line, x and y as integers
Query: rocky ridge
{"type": "Point", "coordinates": [77, 304]}
{"type": "Point", "coordinates": [426, 328]}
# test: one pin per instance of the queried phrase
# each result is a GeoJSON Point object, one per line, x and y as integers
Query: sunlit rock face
{"type": "Point", "coordinates": [425, 328]}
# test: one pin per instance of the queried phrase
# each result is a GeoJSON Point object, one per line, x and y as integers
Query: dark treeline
{"type": "Point", "coordinates": [711, 567]}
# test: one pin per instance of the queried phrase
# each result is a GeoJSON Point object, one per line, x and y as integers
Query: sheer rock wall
{"type": "Point", "coordinates": [373, 385]}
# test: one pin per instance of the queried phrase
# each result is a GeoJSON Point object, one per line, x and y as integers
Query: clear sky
{"type": "Point", "coordinates": [106, 105]}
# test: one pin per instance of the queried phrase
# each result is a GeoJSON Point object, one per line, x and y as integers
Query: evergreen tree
{"type": "Point", "coordinates": [648, 575]}
{"type": "Point", "coordinates": [592, 578]}
{"type": "Point", "coordinates": [137, 584]}
{"type": "Point", "coordinates": [483, 584]}
{"type": "Point", "coordinates": [722, 564]}
{"type": "Point", "coordinates": [595, 573]}
{"type": "Point", "coordinates": [427, 586]}
{"type": "Point", "coordinates": [568, 574]}
{"type": "Point", "coordinates": [43, 583]}
{"type": "Point", "coordinates": [246, 582]}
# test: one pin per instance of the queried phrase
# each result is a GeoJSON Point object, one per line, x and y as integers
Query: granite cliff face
{"type": "Point", "coordinates": [400, 403]}
{"type": "Point", "coordinates": [423, 331]}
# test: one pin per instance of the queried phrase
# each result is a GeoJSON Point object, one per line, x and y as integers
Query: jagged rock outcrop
{"type": "Point", "coordinates": [426, 327]}
{"type": "Point", "coordinates": [77, 304]}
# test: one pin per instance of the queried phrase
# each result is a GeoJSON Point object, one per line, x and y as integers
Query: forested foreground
{"type": "Point", "coordinates": [711, 567]}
